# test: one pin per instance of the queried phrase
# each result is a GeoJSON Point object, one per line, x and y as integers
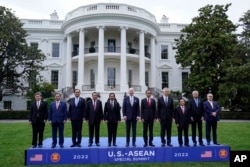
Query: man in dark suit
{"type": "Point", "coordinates": [131, 112]}
{"type": "Point", "coordinates": [112, 117]}
{"type": "Point", "coordinates": [182, 120]}
{"type": "Point", "coordinates": [76, 115]}
{"type": "Point", "coordinates": [94, 115]}
{"type": "Point", "coordinates": [148, 115]}
{"type": "Point", "coordinates": [165, 116]}
{"type": "Point", "coordinates": [38, 118]}
{"type": "Point", "coordinates": [211, 109]}
{"type": "Point", "coordinates": [57, 119]}
{"type": "Point", "coordinates": [197, 116]}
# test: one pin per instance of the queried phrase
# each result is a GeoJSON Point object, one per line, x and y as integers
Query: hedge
{"type": "Point", "coordinates": [25, 115]}
{"type": "Point", "coordinates": [14, 114]}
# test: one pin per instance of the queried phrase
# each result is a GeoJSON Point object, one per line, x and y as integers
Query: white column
{"type": "Point", "coordinates": [153, 65]}
{"type": "Point", "coordinates": [100, 80]}
{"type": "Point", "coordinates": [80, 76]}
{"type": "Point", "coordinates": [142, 62]}
{"type": "Point", "coordinates": [68, 61]}
{"type": "Point", "coordinates": [123, 62]}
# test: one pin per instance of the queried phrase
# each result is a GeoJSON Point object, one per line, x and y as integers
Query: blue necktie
{"type": "Point", "coordinates": [196, 101]}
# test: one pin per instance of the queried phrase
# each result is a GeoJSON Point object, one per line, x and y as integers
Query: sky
{"type": "Point", "coordinates": [178, 11]}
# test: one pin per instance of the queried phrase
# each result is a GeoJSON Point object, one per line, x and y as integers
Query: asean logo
{"type": "Point", "coordinates": [55, 157]}
{"type": "Point", "coordinates": [223, 153]}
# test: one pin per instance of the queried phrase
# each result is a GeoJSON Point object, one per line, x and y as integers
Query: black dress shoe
{"type": "Point", "coordinates": [195, 144]}
{"type": "Point", "coordinates": [40, 146]}
{"type": "Point", "coordinates": [90, 144]}
{"type": "Point", "coordinates": [202, 144]}
{"type": "Point", "coordinates": [114, 145]}
{"type": "Point", "coordinates": [187, 145]}
{"type": "Point", "coordinates": [208, 144]}
{"type": "Point", "coordinates": [152, 145]}
{"type": "Point", "coordinates": [163, 144]}
{"type": "Point", "coordinates": [170, 145]}
{"type": "Point", "coordinates": [53, 146]}
{"type": "Point", "coordinates": [109, 145]}
{"type": "Point", "coordinates": [180, 145]}
{"type": "Point", "coordinates": [78, 145]}
{"type": "Point", "coordinates": [73, 145]}
{"type": "Point", "coordinates": [134, 145]}
{"type": "Point", "coordinates": [61, 146]}
{"type": "Point", "coordinates": [97, 144]}
{"type": "Point", "coordinates": [216, 144]}
{"type": "Point", "coordinates": [145, 145]}
{"type": "Point", "coordinates": [34, 146]}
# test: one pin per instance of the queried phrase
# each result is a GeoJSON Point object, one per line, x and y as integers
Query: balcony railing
{"type": "Point", "coordinates": [111, 50]}
{"type": "Point", "coordinates": [137, 88]}
{"type": "Point", "coordinates": [88, 87]}
{"type": "Point", "coordinates": [112, 88]}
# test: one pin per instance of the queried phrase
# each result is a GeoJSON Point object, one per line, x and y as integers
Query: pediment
{"type": "Point", "coordinates": [165, 66]}
{"type": "Point", "coordinates": [54, 64]}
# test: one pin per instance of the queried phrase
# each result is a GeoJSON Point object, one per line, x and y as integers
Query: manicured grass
{"type": "Point", "coordinates": [16, 137]}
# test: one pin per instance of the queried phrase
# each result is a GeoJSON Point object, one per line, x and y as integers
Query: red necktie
{"type": "Point", "coordinates": [94, 104]}
{"type": "Point", "coordinates": [148, 102]}
{"type": "Point", "coordinates": [57, 104]}
{"type": "Point", "coordinates": [182, 108]}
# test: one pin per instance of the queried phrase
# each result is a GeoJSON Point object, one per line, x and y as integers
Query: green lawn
{"type": "Point", "coordinates": [16, 137]}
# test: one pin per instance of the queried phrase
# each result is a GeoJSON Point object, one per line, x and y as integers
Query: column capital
{"type": "Point", "coordinates": [123, 27]}
{"type": "Point", "coordinates": [152, 37]}
{"type": "Point", "coordinates": [142, 31]}
{"type": "Point", "coordinates": [100, 27]}
{"type": "Point", "coordinates": [80, 29]}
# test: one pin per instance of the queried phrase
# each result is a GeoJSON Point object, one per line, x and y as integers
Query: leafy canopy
{"type": "Point", "coordinates": [17, 60]}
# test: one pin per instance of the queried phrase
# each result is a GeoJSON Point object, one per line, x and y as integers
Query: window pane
{"type": "Point", "coordinates": [54, 78]}
{"type": "Point", "coordinates": [184, 80]}
{"type": "Point", "coordinates": [129, 78]}
{"type": "Point", "coordinates": [92, 79]}
{"type": "Point", "coordinates": [111, 45]}
{"type": "Point", "coordinates": [146, 78]}
{"type": "Point", "coordinates": [74, 82]}
{"type": "Point", "coordinates": [55, 49]}
{"type": "Point", "coordinates": [34, 44]}
{"type": "Point", "coordinates": [164, 52]}
{"type": "Point", "coordinates": [32, 79]}
{"type": "Point", "coordinates": [7, 105]}
{"type": "Point", "coordinates": [164, 80]}
{"type": "Point", "coordinates": [28, 104]}
{"type": "Point", "coordinates": [111, 77]}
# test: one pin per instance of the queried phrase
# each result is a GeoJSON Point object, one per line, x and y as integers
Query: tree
{"type": "Point", "coordinates": [236, 82]}
{"type": "Point", "coordinates": [45, 88]}
{"type": "Point", "coordinates": [17, 60]}
{"type": "Point", "coordinates": [207, 47]}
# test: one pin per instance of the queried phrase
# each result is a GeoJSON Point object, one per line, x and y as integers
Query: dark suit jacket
{"type": "Point", "coordinates": [131, 112]}
{"type": "Point", "coordinates": [91, 114]}
{"type": "Point", "coordinates": [208, 111]}
{"type": "Point", "coordinates": [148, 112]}
{"type": "Point", "coordinates": [165, 112]}
{"type": "Point", "coordinates": [180, 118]}
{"type": "Point", "coordinates": [77, 112]}
{"type": "Point", "coordinates": [58, 115]}
{"type": "Point", "coordinates": [40, 114]}
{"type": "Point", "coordinates": [196, 112]}
{"type": "Point", "coordinates": [112, 114]}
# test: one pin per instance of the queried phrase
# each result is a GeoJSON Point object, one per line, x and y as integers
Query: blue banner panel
{"type": "Point", "coordinates": [121, 154]}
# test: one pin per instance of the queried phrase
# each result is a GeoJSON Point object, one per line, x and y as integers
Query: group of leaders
{"type": "Point", "coordinates": [148, 111]}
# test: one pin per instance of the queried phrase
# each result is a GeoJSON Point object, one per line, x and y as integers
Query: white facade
{"type": "Point", "coordinates": [128, 51]}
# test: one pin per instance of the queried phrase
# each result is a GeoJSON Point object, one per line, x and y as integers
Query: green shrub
{"type": "Point", "coordinates": [14, 114]}
{"type": "Point", "coordinates": [235, 115]}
